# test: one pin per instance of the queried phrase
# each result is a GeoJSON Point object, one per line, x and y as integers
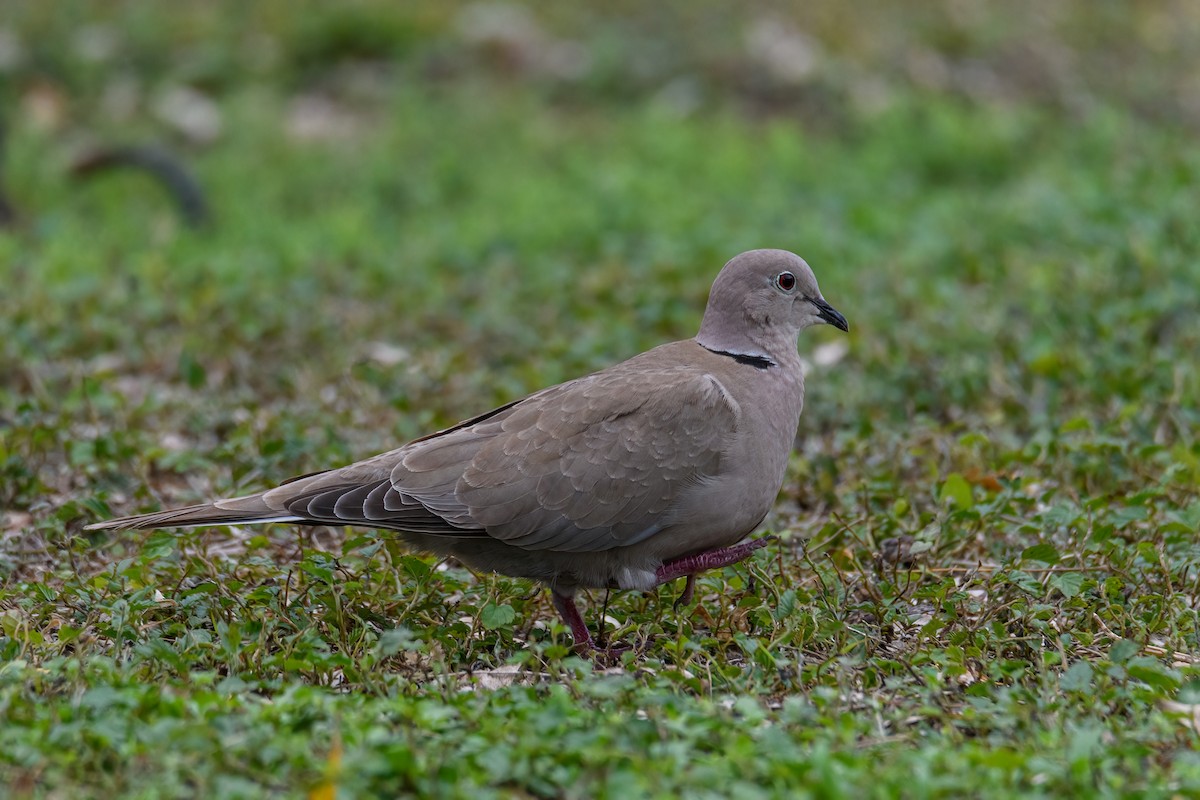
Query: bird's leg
{"type": "Point", "coordinates": [688, 566]}
{"type": "Point", "coordinates": [689, 589]}
{"type": "Point", "coordinates": [565, 605]}
{"type": "Point", "coordinates": [607, 657]}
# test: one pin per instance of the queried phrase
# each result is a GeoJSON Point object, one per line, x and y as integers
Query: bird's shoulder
{"type": "Point", "coordinates": [659, 415]}
{"type": "Point", "coordinates": [589, 464]}
{"type": "Point", "coordinates": [674, 376]}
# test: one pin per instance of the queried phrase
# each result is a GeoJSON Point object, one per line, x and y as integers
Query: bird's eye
{"type": "Point", "coordinates": [785, 281]}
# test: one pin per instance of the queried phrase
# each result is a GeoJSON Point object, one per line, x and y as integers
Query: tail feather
{"type": "Point", "coordinates": [236, 511]}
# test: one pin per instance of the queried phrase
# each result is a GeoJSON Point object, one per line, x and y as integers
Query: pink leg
{"type": "Point", "coordinates": [685, 567]}
{"type": "Point", "coordinates": [685, 597]}
{"type": "Point", "coordinates": [688, 566]}
{"type": "Point", "coordinates": [584, 646]}
{"type": "Point", "coordinates": [565, 604]}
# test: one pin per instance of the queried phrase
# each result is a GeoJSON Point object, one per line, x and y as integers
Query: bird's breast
{"type": "Point", "coordinates": [727, 506]}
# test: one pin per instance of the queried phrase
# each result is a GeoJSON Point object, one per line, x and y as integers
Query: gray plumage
{"type": "Point", "coordinates": [610, 480]}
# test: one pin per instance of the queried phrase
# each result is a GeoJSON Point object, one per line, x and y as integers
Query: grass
{"type": "Point", "coordinates": [989, 569]}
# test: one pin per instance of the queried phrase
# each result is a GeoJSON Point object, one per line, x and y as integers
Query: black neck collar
{"type": "Point", "coordinates": [756, 361]}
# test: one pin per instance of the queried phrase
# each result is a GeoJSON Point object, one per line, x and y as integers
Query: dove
{"type": "Point", "coordinates": [648, 471]}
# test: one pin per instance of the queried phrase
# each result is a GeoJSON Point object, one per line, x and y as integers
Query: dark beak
{"type": "Point", "coordinates": [829, 314]}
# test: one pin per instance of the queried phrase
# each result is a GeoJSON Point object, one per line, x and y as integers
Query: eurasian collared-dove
{"type": "Point", "coordinates": [650, 470]}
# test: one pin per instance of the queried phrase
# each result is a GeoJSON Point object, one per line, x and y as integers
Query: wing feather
{"type": "Point", "coordinates": [585, 466]}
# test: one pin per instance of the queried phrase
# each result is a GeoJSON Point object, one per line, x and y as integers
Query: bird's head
{"type": "Point", "coordinates": [761, 297]}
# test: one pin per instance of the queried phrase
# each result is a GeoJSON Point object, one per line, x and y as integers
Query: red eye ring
{"type": "Point", "coordinates": [785, 281]}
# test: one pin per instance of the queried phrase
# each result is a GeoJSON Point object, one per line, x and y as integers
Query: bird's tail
{"type": "Point", "coordinates": [250, 510]}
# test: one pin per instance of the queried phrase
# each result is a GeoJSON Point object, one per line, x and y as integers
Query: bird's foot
{"type": "Point", "coordinates": [565, 605]}
{"type": "Point", "coordinates": [611, 656]}
{"type": "Point", "coordinates": [688, 566]}
{"type": "Point", "coordinates": [685, 597]}
{"type": "Point", "coordinates": [585, 646]}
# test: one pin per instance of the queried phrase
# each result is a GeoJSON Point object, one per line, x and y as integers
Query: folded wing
{"type": "Point", "coordinates": [585, 466]}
